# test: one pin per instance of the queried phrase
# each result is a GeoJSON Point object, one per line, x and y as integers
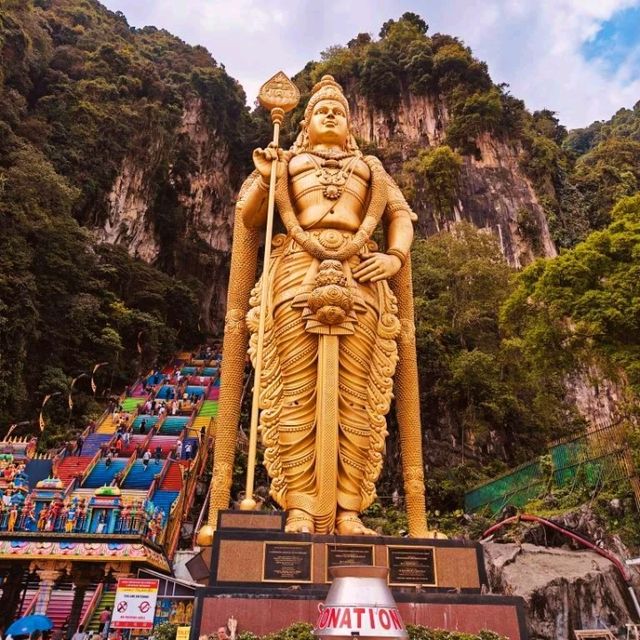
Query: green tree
{"type": "Point", "coordinates": [433, 178]}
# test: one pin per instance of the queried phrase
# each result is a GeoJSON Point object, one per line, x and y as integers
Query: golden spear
{"type": "Point", "coordinates": [278, 95]}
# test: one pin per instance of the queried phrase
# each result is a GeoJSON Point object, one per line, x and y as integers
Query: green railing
{"type": "Point", "coordinates": [590, 458]}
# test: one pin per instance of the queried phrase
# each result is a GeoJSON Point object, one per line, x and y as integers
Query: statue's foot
{"type": "Point", "coordinates": [430, 533]}
{"type": "Point", "coordinates": [349, 524]}
{"type": "Point", "coordinates": [299, 521]}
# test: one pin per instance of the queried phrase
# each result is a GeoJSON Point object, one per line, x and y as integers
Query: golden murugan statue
{"type": "Point", "coordinates": [338, 325]}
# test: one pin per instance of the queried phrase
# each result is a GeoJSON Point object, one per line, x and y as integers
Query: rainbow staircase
{"type": "Point", "coordinates": [149, 423]}
{"type": "Point", "coordinates": [129, 405]}
{"type": "Point", "coordinates": [173, 425]}
{"type": "Point", "coordinates": [108, 425]}
{"type": "Point", "coordinates": [59, 607]}
{"type": "Point", "coordinates": [166, 443]}
{"type": "Point", "coordinates": [134, 443]}
{"type": "Point", "coordinates": [172, 480]}
{"type": "Point", "coordinates": [209, 409]}
{"type": "Point", "coordinates": [163, 500]}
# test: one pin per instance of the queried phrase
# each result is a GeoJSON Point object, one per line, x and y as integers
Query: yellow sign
{"type": "Point", "coordinates": [183, 633]}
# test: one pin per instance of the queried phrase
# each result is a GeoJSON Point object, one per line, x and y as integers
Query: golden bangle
{"type": "Point", "coordinates": [398, 254]}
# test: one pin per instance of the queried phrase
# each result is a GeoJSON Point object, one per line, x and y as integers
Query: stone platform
{"type": "Point", "coordinates": [268, 579]}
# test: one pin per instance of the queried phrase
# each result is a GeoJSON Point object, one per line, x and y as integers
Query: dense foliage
{"type": "Point", "coordinates": [79, 91]}
{"type": "Point", "coordinates": [586, 302]}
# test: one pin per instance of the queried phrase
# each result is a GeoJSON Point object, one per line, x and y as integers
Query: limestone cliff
{"type": "Point", "coordinates": [494, 193]}
{"type": "Point", "coordinates": [193, 165]}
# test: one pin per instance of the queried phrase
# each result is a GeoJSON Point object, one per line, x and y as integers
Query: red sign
{"type": "Point", "coordinates": [364, 620]}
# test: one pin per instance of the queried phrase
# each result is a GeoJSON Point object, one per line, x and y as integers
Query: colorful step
{"type": "Point", "coordinates": [172, 480]}
{"type": "Point", "coordinates": [163, 500]}
{"type": "Point", "coordinates": [108, 425]}
{"type": "Point", "coordinates": [166, 392]}
{"type": "Point", "coordinates": [199, 422]}
{"type": "Point", "coordinates": [59, 607]}
{"type": "Point", "coordinates": [166, 444]}
{"type": "Point", "coordinates": [194, 448]}
{"type": "Point", "coordinates": [94, 442]}
{"type": "Point", "coordinates": [131, 404]}
{"type": "Point", "coordinates": [135, 441]}
{"type": "Point", "coordinates": [107, 600]}
{"type": "Point", "coordinates": [140, 476]}
{"type": "Point", "coordinates": [195, 390]}
{"type": "Point", "coordinates": [209, 409]}
{"type": "Point", "coordinates": [149, 422]}
{"type": "Point", "coordinates": [71, 466]}
{"type": "Point", "coordinates": [103, 474]}
{"type": "Point", "coordinates": [173, 425]}
{"type": "Point", "coordinates": [189, 371]}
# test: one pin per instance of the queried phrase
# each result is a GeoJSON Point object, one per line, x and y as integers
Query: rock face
{"type": "Point", "coordinates": [208, 203]}
{"type": "Point", "coordinates": [494, 192]}
{"type": "Point", "coordinates": [563, 590]}
{"type": "Point", "coordinates": [128, 202]}
{"type": "Point", "coordinates": [599, 400]}
{"type": "Point", "coordinates": [204, 193]}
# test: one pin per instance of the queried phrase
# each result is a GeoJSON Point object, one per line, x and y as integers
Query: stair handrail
{"type": "Point", "coordinates": [132, 460]}
{"type": "Point", "coordinates": [159, 478]}
{"type": "Point", "coordinates": [92, 463]}
{"type": "Point", "coordinates": [32, 605]}
{"type": "Point", "coordinates": [174, 523]}
{"type": "Point", "coordinates": [204, 510]}
{"type": "Point", "coordinates": [152, 431]}
{"type": "Point", "coordinates": [91, 607]}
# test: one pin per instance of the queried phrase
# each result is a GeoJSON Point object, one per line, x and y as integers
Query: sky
{"type": "Point", "coordinates": [579, 58]}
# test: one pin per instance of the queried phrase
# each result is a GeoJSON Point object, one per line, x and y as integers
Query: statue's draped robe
{"type": "Point", "coordinates": [291, 400]}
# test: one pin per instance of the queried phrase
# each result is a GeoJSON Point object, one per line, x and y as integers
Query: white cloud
{"type": "Point", "coordinates": [534, 45]}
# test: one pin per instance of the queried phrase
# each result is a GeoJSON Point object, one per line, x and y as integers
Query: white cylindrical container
{"type": "Point", "coordinates": [359, 605]}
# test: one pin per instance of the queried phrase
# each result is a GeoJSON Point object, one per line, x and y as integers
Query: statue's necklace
{"type": "Point", "coordinates": [331, 174]}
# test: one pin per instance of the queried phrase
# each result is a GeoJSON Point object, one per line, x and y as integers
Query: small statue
{"type": "Point", "coordinates": [13, 517]}
{"type": "Point", "coordinates": [70, 522]}
{"type": "Point", "coordinates": [42, 517]}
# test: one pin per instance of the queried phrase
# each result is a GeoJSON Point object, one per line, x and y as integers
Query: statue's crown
{"type": "Point", "coordinates": [326, 89]}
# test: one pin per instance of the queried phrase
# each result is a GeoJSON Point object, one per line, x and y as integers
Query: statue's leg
{"type": "Point", "coordinates": [297, 352]}
{"type": "Point", "coordinates": [355, 454]}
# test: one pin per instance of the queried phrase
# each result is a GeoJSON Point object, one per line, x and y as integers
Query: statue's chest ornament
{"type": "Point", "coordinates": [333, 176]}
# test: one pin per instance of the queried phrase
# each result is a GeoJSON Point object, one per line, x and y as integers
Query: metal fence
{"type": "Point", "coordinates": [586, 459]}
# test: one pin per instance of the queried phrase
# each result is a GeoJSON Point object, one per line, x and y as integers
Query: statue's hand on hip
{"type": "Point", "coordinates": [376, 267]}
{"type": "Point", "coordinates": [263, 158]}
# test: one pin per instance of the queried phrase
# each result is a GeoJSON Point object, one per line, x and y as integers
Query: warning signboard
{"type": "Point", "coordinates": [135, 604]}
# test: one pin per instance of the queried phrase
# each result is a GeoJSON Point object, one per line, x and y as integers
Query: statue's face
{"type": "Point", "coordinates": [328, 124]}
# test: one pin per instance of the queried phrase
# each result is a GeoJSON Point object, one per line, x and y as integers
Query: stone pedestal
{"type": "Point", "coordinates": [269, 579]}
